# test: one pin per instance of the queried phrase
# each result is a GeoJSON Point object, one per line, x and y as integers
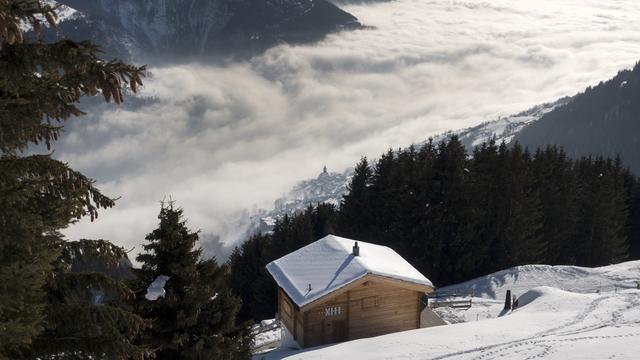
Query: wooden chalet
{"type": "Point", "coordinates": [338, 289]}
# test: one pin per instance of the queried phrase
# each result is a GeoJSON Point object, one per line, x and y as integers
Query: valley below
{"type": "Point", "coordinates": [250, 130]}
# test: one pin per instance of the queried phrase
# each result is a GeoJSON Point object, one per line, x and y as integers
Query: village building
{"type": "Point", "coordinates": [338, 289]}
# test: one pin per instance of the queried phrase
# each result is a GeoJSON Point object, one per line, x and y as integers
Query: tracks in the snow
{"type": "Point", "coordinates": [539, 345]}
{"type": "Point", "coordinates": [545, 345]}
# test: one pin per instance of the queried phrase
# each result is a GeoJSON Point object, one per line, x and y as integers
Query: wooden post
{"type": "Point", "coordinates": [507, 301]}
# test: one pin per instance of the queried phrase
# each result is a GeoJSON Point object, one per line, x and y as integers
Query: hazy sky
{"type": "Point", "coordinates": [223, 139]}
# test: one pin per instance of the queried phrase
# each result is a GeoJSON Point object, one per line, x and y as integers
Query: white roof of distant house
{"type": "Point", "coordinates": [328, 264]}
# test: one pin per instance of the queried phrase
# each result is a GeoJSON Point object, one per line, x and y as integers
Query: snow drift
{"type": "Point", "coordinates": [596, 315]}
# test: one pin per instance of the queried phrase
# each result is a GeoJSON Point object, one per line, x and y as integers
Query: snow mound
{"type": "Point", "coordinates": [521, 279]}
{"type": "Point", "coordinates": [531, 296]}
{"type": "Point", "coordinates": [328, 264]}
{"type": "Point", "coordinates": [540, 294]}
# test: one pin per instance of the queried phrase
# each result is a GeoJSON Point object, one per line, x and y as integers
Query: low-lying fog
{"type": "Point", "coordinates": [222, 139]}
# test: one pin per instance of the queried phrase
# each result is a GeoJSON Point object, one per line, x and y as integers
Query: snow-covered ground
{"type": "Point", "coordinates": [570, 278]}
{"type": "Point", "coordinates": [267, 337]}
{"type": "Point", "coordinates": [564, 312]}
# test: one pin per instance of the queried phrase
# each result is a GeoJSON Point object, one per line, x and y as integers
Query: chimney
{"type": "Point", "coordinates": [356, 250]}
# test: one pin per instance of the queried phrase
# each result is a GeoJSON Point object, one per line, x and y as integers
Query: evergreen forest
{"type": "Point", "coordinates": [456, 216]}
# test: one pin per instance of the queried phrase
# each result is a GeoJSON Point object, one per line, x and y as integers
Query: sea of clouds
{"type": "Point", "coordinates": [223, 139]}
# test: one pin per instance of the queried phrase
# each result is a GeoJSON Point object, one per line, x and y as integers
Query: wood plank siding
{"type": "Point", "coordinates": [370, 306]}
{"type": "Point", "coordinates": [287, 312]}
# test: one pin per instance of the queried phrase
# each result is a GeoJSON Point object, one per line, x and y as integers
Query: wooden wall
{"type": "Point", "coordinates": [288, 314]}
{"type": "Point", "coordinates": [323, 322]}
{"type": "Point", "coordinates": [367, 308]}
{"type": "Point", "coordinates": [377, 309]}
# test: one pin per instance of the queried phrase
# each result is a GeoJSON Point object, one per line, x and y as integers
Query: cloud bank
{"type": "Point", "coordinates": [223, 139]}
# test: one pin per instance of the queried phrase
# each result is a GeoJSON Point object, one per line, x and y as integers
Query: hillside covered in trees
{"type": "Point", "coordinates": [603, 120]}
{"type": "Point", "coordinates": [455, 216]}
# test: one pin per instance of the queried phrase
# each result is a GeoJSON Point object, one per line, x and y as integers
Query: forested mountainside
{"type": "Point", "coordinates": [456, 215]}
{"type": "Point", "coordinates": [603, 120]}
{"type": "Point", "coordinates": [177, 29]}
{"type": "Point", "coordinates": [329, 187]}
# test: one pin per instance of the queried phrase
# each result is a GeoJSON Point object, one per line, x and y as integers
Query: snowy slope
{"type": "Point", "coordinates": [503, 128]}
{"type": "Point", "coordinates": [576, 279]}
{"type": "Point", "coordinates": [553, 325]}
{"type": "Point", "coordinates": [64, 13]}
{"type": "Point", "coordinates": [488, 292]}
{"type": "Point", "coordinates": [597, 316]}
{"type": "Point", "coordinates": [180, 29]}
{"type": "Point", "coordinates": [328, 187]}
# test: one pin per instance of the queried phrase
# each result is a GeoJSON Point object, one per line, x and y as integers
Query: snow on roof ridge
{"type": "Point", "coordinates": [328, 264]}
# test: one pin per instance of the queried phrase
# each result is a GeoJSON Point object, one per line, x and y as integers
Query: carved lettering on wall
{"type": "Point", "coordinates": [332, 311]}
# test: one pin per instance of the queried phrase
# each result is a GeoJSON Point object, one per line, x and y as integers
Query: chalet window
{"type": "Point", "coordinates": [369, 302]}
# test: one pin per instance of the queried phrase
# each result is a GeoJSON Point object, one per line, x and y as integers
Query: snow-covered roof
{"type": "Point", "coordinates": [328, 264]}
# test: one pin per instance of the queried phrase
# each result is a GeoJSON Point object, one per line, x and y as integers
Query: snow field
{"type": "Point", "coordinates": [564, 312]}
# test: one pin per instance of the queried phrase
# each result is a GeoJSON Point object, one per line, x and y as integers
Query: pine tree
{"type": "Point", "coordinates": [355, 210]}
{"type": "Point", "coordinates": [617, 244]}
{"type": "Point", "coordinates": [556, 184]}
{"type": "Point", "coordinates": [451, 211]}
{"type": "Point", "coordinates": [323, 218]}
{"type": "Point", "coordinates": [290, 233]}
{"type": "Point", "coordinates": [403, 210]}
{"type": "Point", "coordinates": [195, 319]}
{"type": "Point", "coordinates": [40, 85]}
{"type": "Point", "coordinates": [485, 195]}
{"type": "Point", "coordinates": [90, 314]}
{"type": "Point", "coordinates": [250, 280]}
{"type": "Point", "coordinates": [523, 217]}
{"type": "Point", "coordinates": [601, 236]}
{"type": "Point", "coordinates": [425, 249]}
{"type": "Point", "coordinates": [383, 201]}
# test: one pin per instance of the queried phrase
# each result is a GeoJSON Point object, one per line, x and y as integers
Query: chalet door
{"type": "Point", "coordinates": [340, 331]}
{"type": "Point", "coordinates": [334, 323]}
{"type": "Point", "coordinates": [335, 331]}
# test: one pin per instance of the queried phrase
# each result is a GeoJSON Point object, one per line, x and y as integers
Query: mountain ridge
{"type": "Point", "coordinates": [604, 120]}
{"type": "Point", "coordinates": [154, 30]}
